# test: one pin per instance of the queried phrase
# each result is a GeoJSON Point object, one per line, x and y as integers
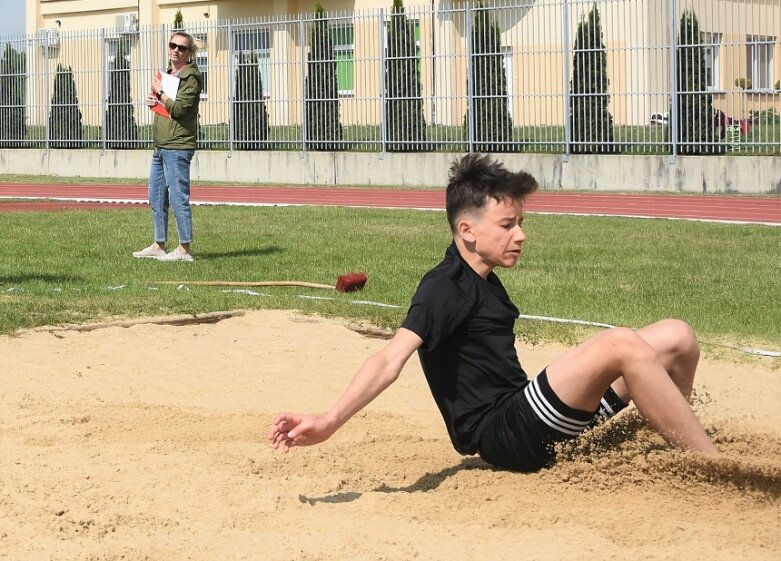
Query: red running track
{"type": "Point", "coordinates": [756, 210]}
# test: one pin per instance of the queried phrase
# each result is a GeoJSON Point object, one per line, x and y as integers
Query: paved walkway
{"type": "Point", "coordinates": [746, 209]}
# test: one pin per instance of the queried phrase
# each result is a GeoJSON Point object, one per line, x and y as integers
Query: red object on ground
{"type": "Point", "coordinates": [351, 282]}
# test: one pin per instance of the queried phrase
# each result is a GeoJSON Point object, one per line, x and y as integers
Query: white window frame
{"type": "Point", "coordinates": [712, 45]}
{"type": "Point", "coordinates": [345, 50]}
{"type": "Point", "coordinates": [202, 61]}
{"type": "Point", "coordinates": [507, 65]}
{"type": "Point", "coordinates": [262, 50]}
{"type": "Point", "coordinates": [112, 46]}
{"type": "Point", "coordinates": [760, 68]}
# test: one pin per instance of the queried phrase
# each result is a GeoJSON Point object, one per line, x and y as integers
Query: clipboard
{"type": "Point", "coordinates": [170, 85]}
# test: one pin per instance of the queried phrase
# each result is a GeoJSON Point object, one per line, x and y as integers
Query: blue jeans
{"type": "Point", "coordinates": [169, 185]}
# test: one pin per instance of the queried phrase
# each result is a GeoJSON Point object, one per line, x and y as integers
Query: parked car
{"type": "Point", "coordinates": [660, 119]}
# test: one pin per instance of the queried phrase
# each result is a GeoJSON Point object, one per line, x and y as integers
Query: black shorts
{"type": "Point", "coordinates": [523, 431]}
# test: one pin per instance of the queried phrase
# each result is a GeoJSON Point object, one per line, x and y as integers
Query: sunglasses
{"type": "Point", "coordinates": [180, 48]}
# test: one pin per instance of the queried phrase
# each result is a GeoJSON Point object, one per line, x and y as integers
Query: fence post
{"type": "Point", "coordinates": [48, 105]}
{"type": "Point", "coordinates": [565, 57]}
{"type": "Point", "coordinates": [232, 89]}
{"type": "Point", "coordinates": [470, 87]}
{"type": "Point", "coordinates": [383, 84]}
{"type": "Point", "coordinates": [104, 90]}
{"type": "Point", "coordinates": [673, 125]}
{"type": "Point", "coordinates": [302, 34]}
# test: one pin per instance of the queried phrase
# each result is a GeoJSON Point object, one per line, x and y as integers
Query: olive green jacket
{"type": "Point", "coordinates": [180, 132]}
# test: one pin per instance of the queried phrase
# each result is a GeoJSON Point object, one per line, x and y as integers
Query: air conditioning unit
{"type": "Point", "coordinates": [49, 37]}
{"type": "Point", "coordinates": [127, 23]}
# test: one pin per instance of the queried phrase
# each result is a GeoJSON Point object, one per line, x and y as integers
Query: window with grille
{"type": "Point", "coordinates": [114, 48]}
{"type": "Point", "coordinates": [202, 61]}
{"type": "Point", "coordinates": [759, 63]}
{"type": "Point", "coordinates": [342, 38]}
{"type": "Point", "coordinates": [254, 43]}
{"type": "Point", "coordinates": [712, 47]}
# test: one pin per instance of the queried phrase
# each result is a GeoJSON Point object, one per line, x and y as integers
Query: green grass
{"type": "Point", "coordinates": [64, 267]}
{"type": "Point", "coordinates": [72, 180]}
{"type": "Point", "coordinates": [762, 139]}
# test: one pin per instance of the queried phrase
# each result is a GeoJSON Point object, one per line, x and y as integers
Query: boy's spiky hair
{"type": "Point", "coordinates": [476, 177]}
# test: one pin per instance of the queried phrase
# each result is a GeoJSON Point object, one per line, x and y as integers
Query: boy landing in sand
{"type": "Point", "coordinates": [461, 323]}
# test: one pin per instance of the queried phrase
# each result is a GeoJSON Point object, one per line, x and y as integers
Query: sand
{"type": "Point", "coordinates": [147, 442]}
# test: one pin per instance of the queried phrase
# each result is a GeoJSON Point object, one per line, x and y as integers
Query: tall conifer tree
{"type": "Point", "coordinates": [404, 121]}
{"type": "Point", "coordinates": [250, 125]}
{"type": "Point", "coordinates": [592, 123]}
{"type": "Point", "coordinates": [13, 80]}
{"type": "Point", "coordinates": [65, 122]}
{"type": "Point", "coordinates": [121, 129]}
{"type": "Point", "coordinates": [492, 124]}
{"type": "Point", "coordinates": [696, 126]}
{"type": "Point", "coordinates": [323, 127]}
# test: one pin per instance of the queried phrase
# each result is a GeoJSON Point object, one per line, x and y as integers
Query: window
{"type": "Point", "coordinates": [759, 63]}
{"type": "Point", "coordinates": [712, 47]}
{"type": "Point", "coordinates": [202, 60]}
{"type": "Point", "coordinates": [507, 63]}
{"type": "Point", "coordinates": [342, 38]}
{"type": "Point", "coordinates": [255, 42]}
{"type": "Point", "coordinates": [114, 48]}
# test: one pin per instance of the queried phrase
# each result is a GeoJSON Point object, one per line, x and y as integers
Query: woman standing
{"type": "Point", "coordinates": [174, 132]}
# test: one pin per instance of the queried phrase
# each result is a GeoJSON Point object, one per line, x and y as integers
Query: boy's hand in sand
{"type": "Point", "coordinates": [289, 429]}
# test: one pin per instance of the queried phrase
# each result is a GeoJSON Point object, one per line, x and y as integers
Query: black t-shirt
{"type": "Point", "coordinates": [468, 353]}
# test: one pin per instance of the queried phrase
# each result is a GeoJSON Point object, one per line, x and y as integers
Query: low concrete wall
{"type": "Point", "coordinates": [690, 174]}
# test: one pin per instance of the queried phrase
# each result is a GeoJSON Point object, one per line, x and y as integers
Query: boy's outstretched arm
{"type": "Point", "coordinates": [377, 373]}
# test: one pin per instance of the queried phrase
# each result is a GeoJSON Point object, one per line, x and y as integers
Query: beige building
{"type": "Point", "coordinates": [740, 38]}
{"type": "Point", "coordinates": [89, 14]}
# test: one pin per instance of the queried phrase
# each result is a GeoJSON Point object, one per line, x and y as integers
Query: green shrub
{"type": "Point", "coordinates": [65, 124]}
{"type": "Point", "coordinates": [13, 80]}
{"type": "Point", "coordinates": [491, 121]}
{"type": "Point", "coordinates": [121, 129]}
{"type": "Point", "coordinates": [590, 118]}
{"type": "Point", "coordinates": [321, 92]}
{"type": "Point", "coordinates": [696, 127]}
{"type": "Point", "coordinates": [404, 121]}
{"type": "Point", "coordinates": [769, 115]}
{"type": "Point", "coordinates": [250, 115]}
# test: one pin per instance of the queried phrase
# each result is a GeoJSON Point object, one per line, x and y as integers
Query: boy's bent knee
{"type": "Point", "coordinates": [626, 345]}
{"type": "Point", "coordinates": [682, 338]}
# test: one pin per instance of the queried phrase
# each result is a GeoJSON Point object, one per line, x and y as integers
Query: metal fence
{"type": "Point", "coordinates": [553, 76]}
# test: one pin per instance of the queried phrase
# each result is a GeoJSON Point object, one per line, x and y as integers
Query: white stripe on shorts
{"type": "Point", "coordinates": [606, 407]}
{"type": "Point", "coordinates": [548, 413]}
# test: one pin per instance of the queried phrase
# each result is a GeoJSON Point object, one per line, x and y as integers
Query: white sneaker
{"type": "Point", "coordinates": [176, 255]}
{"type": "Point", "coordinates": [152, 252]}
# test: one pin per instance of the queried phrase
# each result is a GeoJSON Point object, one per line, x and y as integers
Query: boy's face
{"type": "Point", "coordinates": [496, 236]}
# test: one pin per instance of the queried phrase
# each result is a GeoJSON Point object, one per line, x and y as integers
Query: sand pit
{"type": "Point", "coordinates": [147, 443]}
